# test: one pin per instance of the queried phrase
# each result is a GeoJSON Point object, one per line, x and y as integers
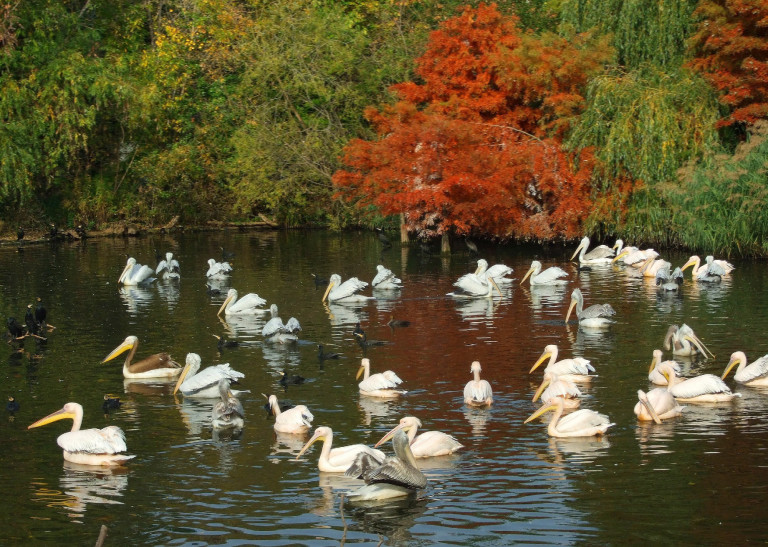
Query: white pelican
{"type": "Point", "coordinates": [711, 267]}
{"type": "Point", "coordinates": [250, 304]}
{"type": "Point", "coordinates": [550, 276]}
{"type": "Point", "coordinates": [203, 384]}
{"type": "Point", "coordinates": [477, 392]}
{"type": "Point", "coordinates": [553, 386]}
{"type": "Point", "coordinates": [706, 388]}
{"type": "Point", "coordinates": [595, 316]}
{"type": "Point", "coordinates": [669, 281]}
{"type": "Point", "coordinates": [602, 254]}
{"type": "Point", "coordinates": [487, 289]}
{"type": "Point", "coordinates": [337, 460]}
{"type": "Point", "coordinates": [654, 373]}
{"type": "Point", "coordinates": [134, 274]}
{"type": "Point", "coordinates": [169, 267]}
{"type": "Point", "coordinates": [427, 445]}
{"type": "Point", "coordinates": [159, 365]}
{"type": "Point", "coordinates": [657, 405]}
{"type": "Point", "coordinates": [381, 384]}
{"type": "Point", "coordinates": [683, 341]}
{"type": "Point", "coordinates": [228, 411]}
{"type": "Point", "coordinates": [395, 477]}
{"type": "Point", "coordinates": [385, 279]}
{"type": "Point", "coordinates": [275, 331]}
{"type": "Point", "coordinates": [632, 256]}
{"type": "Point", "coordinates": [497, 272]}
{"type": "Point", "coordinates": [753, 374]}
{"type": "Point", "coordinates": [345, 292]}
{"type": "Point", "coordinates": [581, 423]}
{"type": "Point", "coordinates": [574, 370]}
{"type": "Point", "coordinates": [217, 270]}
{"type": "Point", "coordinates": [652, 266]}
{"type": "Point", "coordinates": [87, 446]}
{"type": "Point", "coordinates": [296, 420]}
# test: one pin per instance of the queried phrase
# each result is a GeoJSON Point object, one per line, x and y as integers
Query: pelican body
{"type": "Point", "coordinates": [427, 445]}
{"type": "Point", "coordinates": [337, 460]}
{"type": "Point", "coordinates": [296, 420]}
{"type": "Point", "coordinates": [497, 272]}
{"type": "Point", "coordinates": [753, 374]}
{"type": "Point", "coordinates": [169, 267]}
{"type": "Point", "coordinates": [575, 370]}
{"type": "Point", "coordinates": [385, 279]}
{"type": "Point", "coordinates": [711, 270]}
{"type": "Point", "coordinates": [204, 384]}
{"type": "Point", "coordinates": [553, 386]}
{"type": "Point", "coordinates": [581, 423]}
{"type": "Point", "coordinates": [550, 276]}
{"type": "Point", "coordinates": [87, 446]}
{"type": "Point", "coordinates": [683, 341]}
{"type": "Point", "coordinates": [601, 254]}
{"type": "Point", "coordinates": [381, 384]}
{"type": "Point", "coordinates": [275, 331]}
{"type": "Point", "coordinates": [706, 388]}
{"type": "Point", "coordinates": [477, 392]}
{"type": "Point", "coordinates": [228, 411]}
{"type": "Point", "coordinates": [669, 281]}
{"type": "Point", "coordinates": [345, 292]}
{"type": "Point", "coordinates": [135, 274]}
{"type": "Point", "coordinates": [250, 304]}
{"type": "Point", "coordinates": [487, 289]}
{"type": "Point", "coordinates": [632, 256]}
{"type": "Point", "coordinates": [595, 316]}
{"type": "Point", "coordinates": [655, 375]}
{"type": "Point", "coordinates": [218, 270]}
{"type": "Point", "coordinates": [657, 405]}
{"type": "Point", "coordinates": [159, 365]}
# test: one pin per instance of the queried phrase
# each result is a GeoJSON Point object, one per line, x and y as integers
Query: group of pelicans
{"type": "Point", "coordinates": [398, 475]}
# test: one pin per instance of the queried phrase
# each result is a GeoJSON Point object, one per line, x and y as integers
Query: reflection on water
{"type": "Point", "coordinates": [137, 299]}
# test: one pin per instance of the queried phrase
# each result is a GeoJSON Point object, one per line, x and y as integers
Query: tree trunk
{"type": "Point", "coordinates": [404, 239]}
{"type": "Point", "coordinates": [445, 244]}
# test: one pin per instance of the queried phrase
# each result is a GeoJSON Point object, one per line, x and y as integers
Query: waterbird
{"type": "Point", "coordinates": [706, 388]}
{"type": "Point", "coordinates": [12, 405]}
{"type": "Point", "coordinates": [385, 279]}
{"type": "Point", "coordinates": [394, 323]}
{"type": "Point", "coordinates": [427, 444]}
{"type": "Point", "coordinates": [228, 411]}
{"type": "Point", "coordinates": [382, 384]}
{"type": "Point", "coordinates": [218, 270]}
{"type": "Point", "coordinates": [135, 274]}
{"type": "Point", "coordinates": [41, 315]}
{"type": "Point", "coordinates": [169, 267]}
{"type": "Point", "coordinates": [159, 365]}
{"type": "Point", "coordinates": [226, 255]}
{"type": "Point", "coordinates": [477, 392]}
{"type": "Point", "coordinates": [683, 341]}
{"type": "Point", "coordinates": [276, 331]}
{"type": "Point", "coordinates": [19, 234]}
{"type": "Point", "coordinates": [110, 403]}
{"type": "Point", "coordinates": [669, 281]}
{"type": "Point", "coordinates": [383, 239]}
{"type": "Point", "coordinates": [550, 276]}
{"type": "Point", "coordinates": [338, 459]}
{"type": "Point", "coordinates": [655, 375]}
{"type": "Point", "coordinates": [224, 343]}
{"type": "Point", "coordinates": [291, 379]}
{"type": "Point", "coordinates": [194, 382]}
{"type": "Point", "coordinates": [319, 281]}
{"type": "Point", "coordinates": [87, 446]}
{"type": "Point", "coordinates": [657, 405]}
{"type": "Point", "coordinates": [602, 254]}
{"type": "Point", "coordinates": [752, 374]}
{"type": "Point", "coordinates": [497, 272]}
{"type": "Point", "coordinates": [249, 304]}
{"type": "Point", "coordinates": [576, 369]}
{"type": "Point", "coordinates": [595, 316]}
{"type": "Point", "coordinates": [711, 267]}
{"type": "Point", "coordinates": [322, 356]}
{"type": "Point", "coordinates": [553, 386]}
{"type": "Point", "coordinates": [14, 329]}
{"type": "Point", "coordinates": [581, 423]}
{"type": "Point", "coordinates": [296, 420]}
{"type": "Point", "coordinates": [345, 292]}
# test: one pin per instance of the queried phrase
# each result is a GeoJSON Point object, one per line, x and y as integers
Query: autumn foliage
{"type": "Point", "coordinates": [477, 144]}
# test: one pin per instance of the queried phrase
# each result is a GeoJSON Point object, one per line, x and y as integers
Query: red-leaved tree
{"type": "Point", "coordinates": [476, 146]}
{"type": "Point", "coordinates": [732, 48]}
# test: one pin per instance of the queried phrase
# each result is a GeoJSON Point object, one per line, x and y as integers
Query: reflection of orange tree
{"type": "Point", "coordinates": [478, 145]}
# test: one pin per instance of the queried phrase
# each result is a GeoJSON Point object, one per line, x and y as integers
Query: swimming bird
{"type": "Point", "coordinates": [752, 374]}
{"type": "Point", "coordinates": [218, 270]}
{"type": "Point", "coordinates": [497, 272]}
{"type": "Point", "coordinates": [362, 339]}
{"type": "Point", "coordinates": [296, 420]}
{"type": "Point", "coordinates": [632, 256]}
{"type": "Point", "coordinates": [488, 285]}
{"type": "Point", "coordinates": [291, 379]}
{"type": "Point", "coordinates": [41, 314]}
{"type": "Point", "coordinates": [382, 384]}
{"type": "Point", "coordinates": [169, 267]}
{"type": "Point", "coordinates": [553, 386]}
{"type": "Point", "coordinates": [385, 279]}
{"type": "Point", "coordinates": [110, 403]}
{"type": "Point", "coordinates": [322, 356]}
{"type": "Point", "coordinates": [657, 405]}
{"type": "Point", "coordinates": [477, 282]}
{"type": "Point", "coordinates": [194, 382]}
{"type": "Point", "coordinates": [383, 238]}
{"type": "Point", "coordinates": [575, 370]}
{"type": "Point", "coordinates": [706, 388]}
{"type": "Point", "coordinates": [87, 446]}
{"type": "Point", "coordinates": [337, 460]}
{"type": "Point", "coordinates": [428, 444]}
{"type": "Point", "coordinates": [595, 316]}
{"type": "Point", "coordinates": [477, 392]}
{"type": "Point", "coordinates": [550, 276]}
{"type": "Point", "coordinates": [710, 268]}
{"type": "Point", "coordinates": [226, 255]}
{"type": "Point", "coordinates": [14, 329]}
{"type": "Point", "coordinates": [224, 343]}
{"type": "Point", "coordinates": [13, 405]}
{"type": "Point", "coordinates": [581, 423]}
{"type": "Point", "coordinates": [655, 375]}
{"type": "Point", "coordinates": [345, 292]}
{"type": "Point", "coordinates": [136, 274]}
{"type": "Point", "coordinates": [669, 281]}
{"type": "Point", "coordinates": [249, 304]}
{"type": "Point", "coordinates": [159, 365]}
{"type": "Point", "coordinates": [228, 411]}
{"type": "Point", "coordinates": [275, 331]}
{"type": "Point", "coordinates": [319, 281]}
{"type": "Point", "coordinates": [601, 254]}
{"type": "Point", "coordinates": [683, 341]}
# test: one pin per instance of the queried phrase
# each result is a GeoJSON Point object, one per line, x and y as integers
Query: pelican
{"type": "Point", "coordinates": [276, 331]}
{"type": "Point", "coordinates": [385, 279]}
{"type": "Point", "coordinates": [159, 365]}
{"type": "Point", "coordinates": [169, 267]}
{"type": "Point", "coordinates": [581, 423]}
{"type": "Point", "coordinates": [652, 266]}
{"type": "Point", "coordinates": [397, 475]}
{"type": "Point", "coordinates": [657, 405]}
{"type": "Point", "coordinates": [87, 446]}
{"type": "Point", "coordinates": [337, 460]}
{"type": "Point", "coordinates": [595, 316]}
{"type": "Point", "coordinates": [228, 412]}
{"type": "Point", "coordinates": [204, 384]}
{"type": "Point", "coordinates": [574, 370]}
{"type": "Point", "coordinates": [382, 384]}
{"type": "Point", "coordinates": [296, 420]}
{"type": "Point", "coordinates": [655, 375]}
{"type": "Point", "coordinates": [550, 276]}
{"type": "Point", "coordinates": [669, 281]}
{"type": "Point", "coordinates": [250, 304]}
{"type": "Point", "coordinates": [488, 285]}
{"type": "Point", "coordinates": [711, 267]}
{"type": "Point", "coordinates": [601, 254]}
{"type": "Point", "coordinates": [632, 256]}
{"type": "Point", "coordinates": [497, 272]}
{"type": "Point", "coordinates": [683, 341]}
{"type": "Point", "coordinates": [345, 292]}
{"type": "Point", "coordinates": [706, 388]}
{"type": "Point", "coordinates": [553, 386]}
{"type": "Point", "coordinates": [135, 274]}
{"type": "Point", "coordinates": [217, 270]}
{"type": "Point", "coordinates": [477, 392]}
{"type": "Point", "coordinates": [427, 445]}
{"type": "Point", "coordinates": [753, 374]}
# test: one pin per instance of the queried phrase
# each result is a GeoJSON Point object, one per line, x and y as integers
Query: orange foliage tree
{"type": "Point", "coordinates": [477, 145]}
{"type": "Point", "coordinates": [732, 47]}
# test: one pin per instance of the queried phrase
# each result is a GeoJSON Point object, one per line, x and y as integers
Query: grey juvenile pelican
{"type": "Point", "coordinates": [601, 254]}
{"type": "Point", "coordinates": [595, 316]}
{"type": "Point", "coordinates": [227, 412]}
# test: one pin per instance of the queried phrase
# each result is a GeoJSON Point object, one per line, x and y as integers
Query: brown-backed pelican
{"type": "Point", "coordinates": [169, 267]}
{"type": "Point", "coordinates": [657, 405]}
{"type": "Point", "coordinates": [550, 276]}
{"type": "Point", "coordinates": [275, 331]}
{"type": "Point", "coordinates": [228, 411]}
{"type": "Point", "coordinates": [575, 370]}
{"type": "Point", "coordinates": [135, 274]}
{"type": "Point", "coordinates": [250, 304]}
{"type": "Point", "coordinates": [654, 373]}
{"type": "Point", "coordinates": [159, 365]}
{"type": "Point", "coordinates": [595, 316]}
{"type": "Point", "coordinates": [203, 384]}
{"type": "Point", "coordinates": [87, 446]}
{"type": "Point", "coordinates": [218, 270]}
{"type": "Point", "coordinates": [381, 384]}
{"type": "Point", "coordinates": [753, 374]}
{"type": "Point", "coordinates": [337, 460]}
{"type": "Point", "coordinates": [296, 420]}
{"type": "Point", "coordinates": [428, 444]}
{"type": "Point", "coordinates": [683, 341]}
{"type": "Point", "coordinates": [706, 388]}
{"type": "Point", "coordinates": [385, 279]}
{"type": "Point", "coordinates": [581, 423]}
{"type": "Point", "coordinates": [602, 254]}
{"type": "Point", "coordinates": [477, 392]}
{"type": "Point", "coordinates": [345, 292]}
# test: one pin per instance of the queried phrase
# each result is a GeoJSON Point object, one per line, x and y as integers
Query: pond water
{"type": "Point", "coordinates": [697, 479]}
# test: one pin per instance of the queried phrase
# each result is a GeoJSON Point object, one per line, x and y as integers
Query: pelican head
{"type": "Point", "coordinates": [534, 269]}
{"type": "Point", "coordinates": [406, 424]}
{"type": "Point", "coordinates": [553, 404]}
{"type": "Point", "coordinates": [582, 245]}
{"type": "Point", "coordinates": [621, 255]}
{"type": "Point", "coordinates": [475, 367]}
{"type": "Point", "coordinates": [737, 357]}
{"type": "Point", "coordinates": [693, 261]}
{"type": "Point", "coordinates": [365, 364]}
{"type": "Point", "coordinates": [128, 267]}
{"type": "Point", "coordinates": [334, 281]}
{"type": "Point", "coordinates": [482, 265]}
{"type": "Point", "coordinates": [548, 379]}
{"type": "Point", "coordinates": [127, 344]}
{"type": "Point", "coordinates": [273, 311]}
{"type": "Point", "coordinates": [619, 245]}
{"type": "Point", "coordinates": [190, 369]}
{"type": "Point", "coordinates": [322, 433]}
{"type": "Point", "coordinates": [73, 411]}
{"type": "Point", "coordinates": [656, 360]}
{"type": "Point", "coordinates": [577, 300]}
{"type": "Point", "coordinates": [643, 398]}
{"type": "Point", "coordinates": [231, 295]}
{"type": "Point", "coordinates": [549, 351]}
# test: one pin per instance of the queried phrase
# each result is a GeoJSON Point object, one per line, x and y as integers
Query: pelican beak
{"type": "Point", "coordinates": [689, 263]}
{"type": "Point", "coordinates": [359, 372]}
{"type": "Point", "coordinates": [328, 290]}
{"type": "Point", "coordinates": [699, 344]}
{"type": "Point", "coordinates": [182, 376]}
{"type": "Point", "coordinates": [124, 273]}
{"type": "Point", "coordinates": [539, 412]}
{"type": "Point", "coordinates": [581, 245]}
{"type": "Point", "coordinates": [495, 285]}
{"type": "Point", "coordinates": [224, 305]}
{"type": "Point", "coordinates": [732, 363]}
{"type": "Point", "coordinates": [620, 255]}
{"type": "Point", "coordinates": [647, 404]}
{"type": "Point", "coordinates": [477, 270]}
{"type": "Point", "coordinates": [125, 346]}
{"type": "Point", "coordinates": [316, 437]}
{"type": "Point", "coordinates": [544, 356]}
{"type": "Point", "coordinates": [58, 415]}
{"type": "Point", "coordinates": [526, 275]}
{"type": "Point", "coordinates": [541, 389]}
{"type": "Point", "coordinates": [389, 435]}
{"type": "Point", "coordinates": [570, 308]}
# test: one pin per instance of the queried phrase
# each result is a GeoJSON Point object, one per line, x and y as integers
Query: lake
{"type": "Point", "coordinates": [697, 479]}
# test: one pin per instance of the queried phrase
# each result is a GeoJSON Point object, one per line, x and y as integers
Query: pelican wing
{"type": "Point", "coordinates": [249, 302]}
{"type": "Point", "coordinates": [384, 274]}
{"type": "Point", "coordinates": [700, 385]}
{"type": "Point", "coordinates": [582, 419]}
{"type": "Point", "coordinates": [560, 388]}
{"type": "Point", "coordinates": [228, 411]}
{"type": "Point", "coordinates": [756, 369]}
{"type": "Point", "coordinates": [382, 380]}
{"type": "Point", "coordinates": [296, 416]}
{"type": "Point", "coordinates": [218, 268]}
{"type": "Point", "coordinates": [363, 465]}
{"type": "Point", "coordinates": [396, 471]}
{"type": "Point", "coordinates": [577, 365]}
{"type": "Point", "coordinates": [153, 362]}
{"type": "Point", "coordinates": [434, 443]}
{"type": "Point", "coordinates": [601, 251]}
{"type": "Point", "coordinates": [713, 268]}
{"type": "Point", "coordinates": [498, 271]}
{"type": "Point", "coordinates": [348, 288]}
{"type": "Point", "coordinates": [161, 266]}
{"type": "Point", "coordinates": [137, 274]}
{"type": "Point", "coordinates": [597, 310]}
{"type": "Point", "coordinates": [110, 440]}
{"type": "Point", "coordinates": [548, 276]}
{"type": "Point", "coordinates": [273, 326]}
{"type": "Point", "coordinates": [478, 390]}
{"type": "Point", "coordinates": [472, 284]}
{"type": "Point", "coordinates": [293, 326]}
{"type": "Point", "coordinates": [208, 377]}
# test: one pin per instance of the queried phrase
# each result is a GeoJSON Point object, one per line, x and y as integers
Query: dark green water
{"type": "Point", "coordinates": [700, 479]}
